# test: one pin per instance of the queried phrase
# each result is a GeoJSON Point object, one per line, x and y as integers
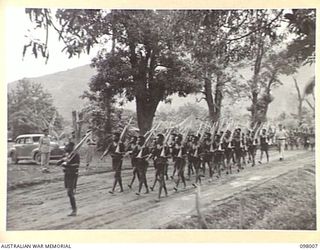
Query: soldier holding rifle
{"type": "Point", "coordinates": [264, 145]}
{"type": "Point", "coordinates": [70, 164]}
{"type": "Point", "coordinates": [71, 168]}
{"type": "Point", "coordinates": [132, 150]}
{"type": "Point", "coordinates": [228, 145]}
{"type": "Point", "coordinates": [238, 147]}
{"type": "Point", "coordinates": [116, 150]}
{"type": "Point", "coordinates": [142, 152]}
{"type": "Point", "coordinates": [206, 154]}
{"type": "Point", "coordinates": [160, 153]}
{"type": "Point", "coordinates": [218, 154]}
{"type": "Point", "coordinates": [252, 147]}
{"type": "Point", "coordinates": [195, 151]}
{"type": "Point", "coordinates": [179, 154]}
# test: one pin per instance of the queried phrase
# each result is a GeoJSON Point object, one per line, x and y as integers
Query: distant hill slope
{"type": "Point", "coordinates": [65, 88]}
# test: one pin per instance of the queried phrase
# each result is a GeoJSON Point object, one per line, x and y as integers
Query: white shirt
{"type": "Point", "coordinates": [281, 135]}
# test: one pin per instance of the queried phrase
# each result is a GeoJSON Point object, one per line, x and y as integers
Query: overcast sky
{"type": "Point", "coordinates": [17, 24]}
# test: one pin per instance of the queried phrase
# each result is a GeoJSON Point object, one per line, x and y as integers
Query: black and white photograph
{"type": "Point", "coordinates": [163, 119]}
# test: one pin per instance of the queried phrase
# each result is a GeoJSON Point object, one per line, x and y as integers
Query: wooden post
{"type": "Point", "coordinates": [79, 125]}
{"type": "Point", "coordinates": [74, 123]}
{"type": "Point", "coordinates": [241, 224]}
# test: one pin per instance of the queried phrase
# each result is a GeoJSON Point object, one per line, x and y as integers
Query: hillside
{"type": "Point", "coordinates": [67, 86]}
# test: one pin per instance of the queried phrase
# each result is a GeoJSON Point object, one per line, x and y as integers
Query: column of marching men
{"type": "Point", "coordinates": [194, 155]}
{"type": "Point", "coordinates": [211, 150]}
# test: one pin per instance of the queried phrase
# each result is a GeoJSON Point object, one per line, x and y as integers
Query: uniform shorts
{"type": "Point", "coordinates": [70, 180]}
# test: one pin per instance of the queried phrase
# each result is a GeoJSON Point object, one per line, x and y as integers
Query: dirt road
{"type": "Point", "coordinates": [45, 206]}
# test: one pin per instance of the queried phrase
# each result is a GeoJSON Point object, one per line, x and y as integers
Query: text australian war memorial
{"type": "Point", "coordinates": [183, 119]}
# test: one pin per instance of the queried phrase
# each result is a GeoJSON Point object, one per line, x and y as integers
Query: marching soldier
{"type": "Point", "coordinates": [238, 148]}
{"type": "Point", "coordinates": [116, 150]}
{"type": "Point", "coordinates": [70, 165]}
{"type": "Point", "coordinates": [195, 151]}
{"type": "Point", "coordinates": [160, 153]}
{"type": "Point", "coordinates": [206, 154]}
{"type": "Point", "coordinates": [171, 147]}
{"type": "Point", "coordinates": [227, 146]}
{"type": "Point", "coordinates": [218, 155]}
{"type": "Point", "coordinates": [312, 139]}
{"type": "Point", "coordinates": [133, 153]}
{"type": "Point", "coordinates": [190, 165]}
{"type": "Point", "coordinates": [142, 153]}
{"type": "Point", "coordinates": [252, 148]}
{"type": "Point", "coordinates": [179, 154]}
{"type": "Point", "coordinates": [244, 148]}
{"type": "Point", "coordinates": [264, 145]}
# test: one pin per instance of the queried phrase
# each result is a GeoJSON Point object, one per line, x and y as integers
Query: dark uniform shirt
{"type": "Point", "coordinates": [71, 169]}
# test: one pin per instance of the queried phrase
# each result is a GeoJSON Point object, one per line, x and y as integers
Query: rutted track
{"type": "Point", "coordinates": [45, 206]}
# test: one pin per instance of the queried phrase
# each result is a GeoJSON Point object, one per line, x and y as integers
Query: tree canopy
{"type": "Point", "coordinates": [31, 109]}
{"type": "Point", "coordinates": [148, 55]}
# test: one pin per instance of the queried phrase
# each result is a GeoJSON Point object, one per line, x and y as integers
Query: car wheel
{"type": "Point", "coordinates": [37, 158]}
{"type": "Point", "coordinates": [14, 158]}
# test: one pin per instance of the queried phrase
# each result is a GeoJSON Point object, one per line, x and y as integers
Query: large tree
{"type": "Point", "coordinates": [263, 38]}
{"type": "Point", "coordinates": [146, 64]}
{"type": "Point", "coordinates": [213, 40]}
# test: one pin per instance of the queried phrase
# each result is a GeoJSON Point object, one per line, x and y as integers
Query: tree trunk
{"type": "Point", "coordinates": [209, 99]}
{"type": "Point", "coordinates": [214, 104]}
{"type": "Point", "coordinates": [218, 99]}
{"type": "Point", "coordinates": [254, 85]}
{"type": "Point", "coordinates": [108, 110]}
{"type": "Point", "coordinates": [300, 100]}
{"type": "Point", "coordinates": [254, 108]}
{"type": "Point", "coordinates": [145, 113]}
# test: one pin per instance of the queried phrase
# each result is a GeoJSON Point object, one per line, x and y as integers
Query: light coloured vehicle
{"type": "Point", "coordinates": [26, 147]}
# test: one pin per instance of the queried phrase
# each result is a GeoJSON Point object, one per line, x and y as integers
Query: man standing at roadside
{"type": "Point", "coordinates": [281, 137]}
{"type": "Point", "coordinates": [91, 145]}
{"type": "Point", "coordinates": [44, 148]}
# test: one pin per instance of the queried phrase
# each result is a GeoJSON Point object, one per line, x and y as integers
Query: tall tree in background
{"type": "Point", "coordinates": [263, 38]}
{"type": "Point", "coordinates": [302, 23]}
{"type": "Point", "coordinates": [146, 64]}
{"type": "Point", "coordinates": [31, 109]}
{"type": "Point", "coordinates": [213, 40]}
{"type": "Point", "coordinates": [159, 53]}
